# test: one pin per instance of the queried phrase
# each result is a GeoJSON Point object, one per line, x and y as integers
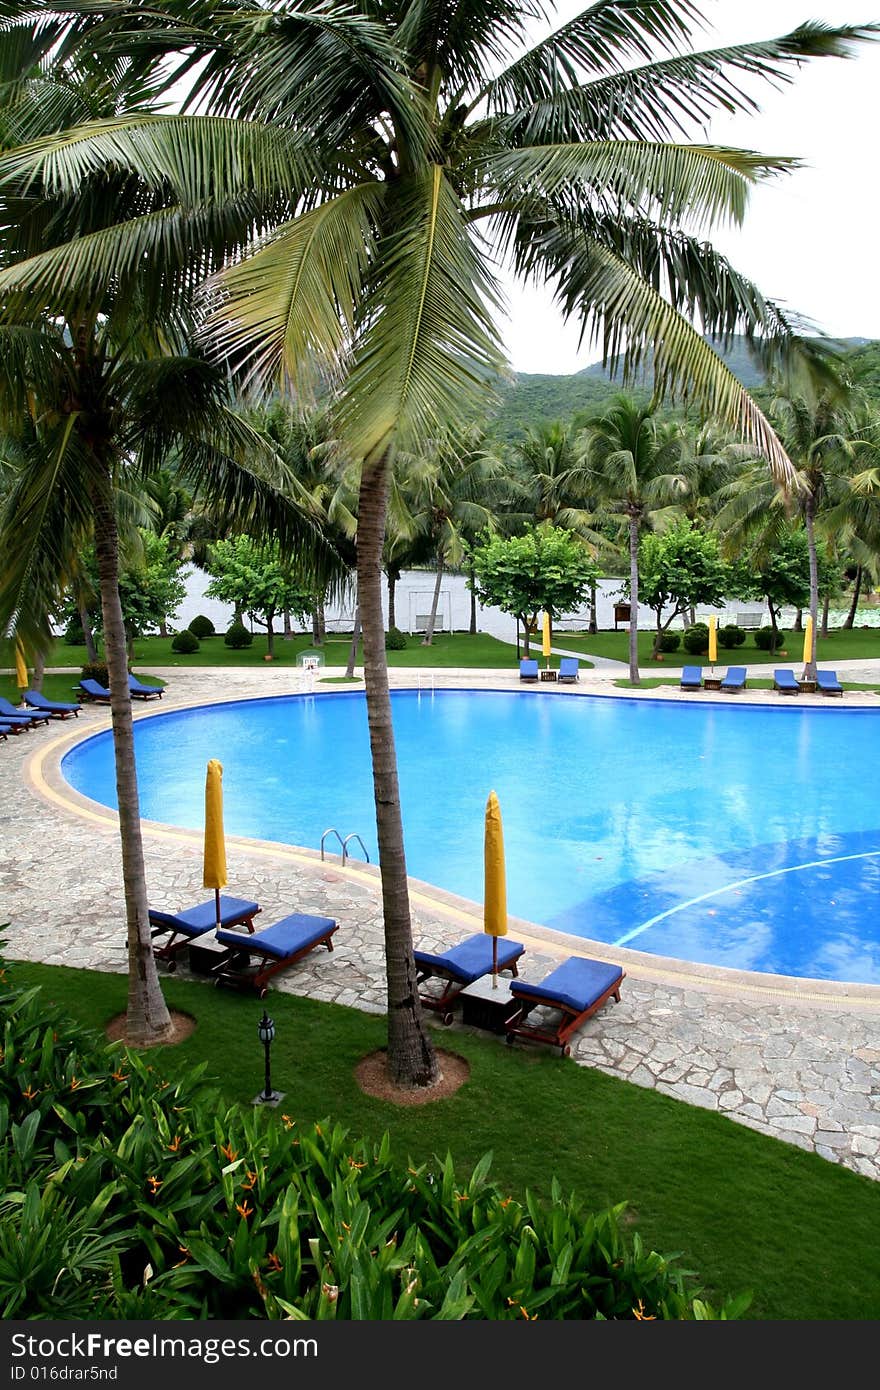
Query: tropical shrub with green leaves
{"type": "Point", "coordinates": [768, 639]}
{"type": "Point", "coordinates": [394, 640]}
{"type": "Point", "coordinates": [670, 641]}
{"type": "Point", "coordinates": [238, 636]}
{"type": "Point", "coordinates": [185, 642]}
{"type": "Point", "coordinates": [96, 671]}
{"type": "Point", "coordinates": [202, 626]}
{"type": "Point", "coordinates": [731, 636]}
{"type": "Point", "coordinates": [696, 638]}
{"type": "Point", "coordinates": [128, 1194]}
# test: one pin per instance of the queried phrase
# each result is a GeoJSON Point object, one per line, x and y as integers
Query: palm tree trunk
{"type": "Point", "coordinates": [411, 1058]}
{"type": "Point", "coordinates": [288, 627]}
{"type": "Point", "coordinates": [798, 625]}
{"type": "Point", "coordinates": [393, 576]}
{"type": "Point", "coordinates": [163, 628]}
{"type": "Point", "coordinates": [472, 629]}
{"type": "Point", "coordinates": [823, 629]}
{"type": "Point", "coordinates": [319, 625]}
{"type": "Point", "coordinates": [147, 1017]}
{"type": "Point", "coordinates": [355, 638]}
{"type": "Point", "coordinates": [428, 638]}
{"type": "Point", "coordinates": [857, 589]}
{"type": "Point", "coordinates": [634, 599]}
{"type": "Point", "coordinates": [270, 633]}
{"type": "Point", "coordinates": [85, 620]}
{"type": "Point", "coordinates": [39, 671]}
{"type": "Point", "coordinates": [809, 510]}
{"type": "Point", "coordinates": [593, 625]}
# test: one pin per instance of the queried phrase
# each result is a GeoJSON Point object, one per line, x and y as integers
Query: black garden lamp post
{"type": "Point", "coordinates": [266, 1033]}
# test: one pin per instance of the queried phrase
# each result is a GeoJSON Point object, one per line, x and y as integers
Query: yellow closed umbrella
{"type": "Point", "coordinates": [808, 640]}
{"type": "Point", "coordinates": [495, 882]}
{"type": "Point", "coordinates": [21, 675]}
{"type": "Point", "coordinates": [546, 637]}
{"type": "Point", "coordinates": [713, 640]}
{"type": "Point", "coordinates": [214, 873]}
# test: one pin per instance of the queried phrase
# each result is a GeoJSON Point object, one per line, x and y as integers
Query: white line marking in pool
{"type": "Point", "coordinates": [728, 887]}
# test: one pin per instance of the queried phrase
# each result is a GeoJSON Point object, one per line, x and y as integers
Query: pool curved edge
{"type": "Point", "coordinates": [45, 779]}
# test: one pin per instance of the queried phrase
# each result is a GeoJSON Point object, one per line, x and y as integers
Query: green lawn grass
{"type": "Point", "coordinates": [746, 1211]}
{"type": "Point", "coordinates": [838, 646]}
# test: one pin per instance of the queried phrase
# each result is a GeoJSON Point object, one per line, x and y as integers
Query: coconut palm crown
{"type": "Point", "coordinates": [391, 153]}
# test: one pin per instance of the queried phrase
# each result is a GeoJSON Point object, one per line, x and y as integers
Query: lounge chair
{"type": "Point", "coordinates": [56, 709]}
{"type": "Point", "coordinates": [12, 715]}
{"type": "Point", "coordinates": [19, 725]}
{"type": "Point", "coordinates": [784, 681]}
{"type": "Point", "coordinates": [574, 990]}
{"type": "Point", "coordinates": [827, 682]}
{"type": "Point", "coordinates": [251, 960]}
{"type": "Point", "coordinates": [691, 678]}
{"type": "Point", "coordinates": [470, 960]}
{"type": "Point", "coordinates": [93, 691]}
{"type": "Point", "coordinates": [528, 669]}
{"type": "Point", "coordinates": [735, 678]}
{"type": "Point", "coordinates": [144, 692]}
{"type": "Point", "coordinates": [568, 669]}
{"type": "Point", "coordinates": [183, 927]}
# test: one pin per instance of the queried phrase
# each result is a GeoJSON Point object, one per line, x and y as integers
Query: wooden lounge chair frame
{"type": "Point", "coordinates": [570, 1019]}
{"type": "Point", "coordinates": [179, 940]}
{"type": "Point", "coordinates": [442, 1003]}
{"type": "Point", "coordinates": [230, 970]}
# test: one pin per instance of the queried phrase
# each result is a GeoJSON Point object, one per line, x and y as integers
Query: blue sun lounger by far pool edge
{"type": "Point", "coordinates": [461, 965]}
{"type": "Point", "coordinates": [827, 682]}
{"type": "Point", "coordinates": [183, 927]}
{"type": "Point", "coordinates": [144, 692]}
{"type": "Point", "coordinates": [735, 678]}
{"type": "Point", "coordinates": [576, 989]}
{"type": "Point", "coordinates": [784, 681]}
{"type": "Point", "coordinates": [93, 690]}
{"type": "Point", "coordinates": [251, 960]}
{"type": "Point", "coordinates": [56, 709]}
{"type": "Point", "coordinates": [528, 669]}
{"type": "Point", "coordinates": [691, 678]}
{"type": "Point", "coordinates": [568, 669]}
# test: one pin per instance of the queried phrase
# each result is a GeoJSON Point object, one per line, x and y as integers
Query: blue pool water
{"type": "Point", "coordinates": [745, 836]}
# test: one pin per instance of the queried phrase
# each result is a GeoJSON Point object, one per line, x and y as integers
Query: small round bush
{"type": "Point", "coordinates": [764, 639]}
{"type": "Point", "coordinates": [185, 642]}
{"type": "Point", "coordinates": [202, 627]}
{"type": "Point", "coordinates": [731, 636]}
{"type": "Point", "coordinates": [670, 641]}
{"type": "Point", "coordinates": [97, 671]}
{"type": "Point", "coordinates": [394, 640]}
{"type": "Point", "coordinates": [238, 637]}
{"type": "Point", "coordinates": [696, 639]}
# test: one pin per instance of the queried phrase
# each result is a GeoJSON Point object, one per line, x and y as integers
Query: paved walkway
{"type": "Point", "coordinates": [800, 1061]}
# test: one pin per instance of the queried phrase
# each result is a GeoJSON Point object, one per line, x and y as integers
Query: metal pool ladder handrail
{"type": "Point", "coordinates": [344, 843]}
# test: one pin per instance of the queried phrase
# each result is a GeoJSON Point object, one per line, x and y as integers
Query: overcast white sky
{"type": "Point", "coordinates": [810, 239]}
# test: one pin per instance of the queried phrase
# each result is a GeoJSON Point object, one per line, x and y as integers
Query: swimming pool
{"type": "Point", "coordinates": [745, 836]}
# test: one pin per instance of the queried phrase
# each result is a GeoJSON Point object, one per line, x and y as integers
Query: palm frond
{"type": "Point", "coordinates": [704, 182]}
{"type": "Point", "coordinates": [430, 350]}
{"type": "Point", "coordinates": [288, 309]}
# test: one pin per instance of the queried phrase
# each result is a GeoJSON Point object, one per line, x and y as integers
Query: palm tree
{"type": "Point", "coordinates": [637, 465]}
{"type": "Point", "coordinates": [103, 395]}
{"type": "Point", "coordinates": [406, 147]}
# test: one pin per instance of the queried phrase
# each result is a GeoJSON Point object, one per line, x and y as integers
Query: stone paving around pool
{"type": "Point", "coordinates": [800, 1062]}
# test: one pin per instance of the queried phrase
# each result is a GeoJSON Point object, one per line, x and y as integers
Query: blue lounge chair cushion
{"type": "Point", "coordinates": [828, 682]}
{"type": "Point", "coordinates": [568, 668]}
{"type": "Point", "coordinates": [196, 920]}
{"type": "Point", "coordinates": [38, 701]}
{"type": "Point", "coordinates": [12, 715]}
{"type": "Point", "coordinates": [471, 959]}
{"type": "Point", "coordinates": [294, 933]}
{"type": "Point", "coordinates": [18, 721]}
{"type": "Point", "coordinates": [784, 679]}
{"type": "Point", "coordinates": [691, 678]}
{"type": "Point", "coordinates": [735, 678]}
{"type": "Point", "coordinates": [95, 689]}
{"type": "Point", "coordinates": [528, 669]}
{"type": "Point", "coordinates": [137, 688]}
{"type": "Point", "coordinates": [576, 983]}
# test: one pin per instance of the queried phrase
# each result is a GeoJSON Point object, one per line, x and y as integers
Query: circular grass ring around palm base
{"type": "Point", "coordinates": [371, 1074]}
{"type": "Point", "coordinates": [182, 1025]}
